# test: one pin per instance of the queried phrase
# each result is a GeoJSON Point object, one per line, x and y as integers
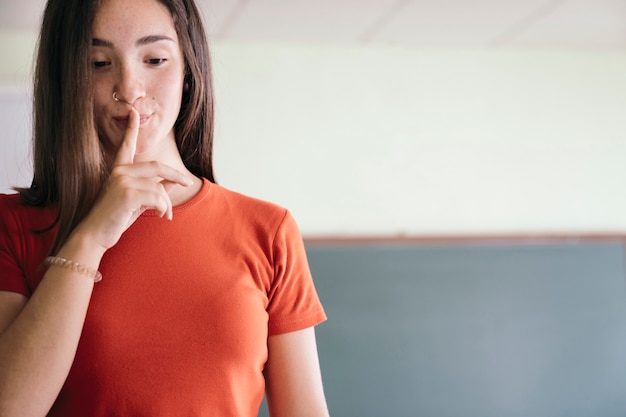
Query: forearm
{"type": "Point", "coordinates": [37, 349]}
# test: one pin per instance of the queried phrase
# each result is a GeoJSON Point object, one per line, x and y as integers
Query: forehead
{"type": "Point", "coordinates": [123, 19]}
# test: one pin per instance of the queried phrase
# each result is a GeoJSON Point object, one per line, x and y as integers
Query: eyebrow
{"type": "Point", "coordinates": [146, 40]}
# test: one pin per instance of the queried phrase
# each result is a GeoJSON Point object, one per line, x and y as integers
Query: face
{"type": "Point", "coordinates": [136, 54]}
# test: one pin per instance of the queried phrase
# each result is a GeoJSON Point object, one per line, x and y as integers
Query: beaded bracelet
{"type": "Point", "coordinates": [66, 263]}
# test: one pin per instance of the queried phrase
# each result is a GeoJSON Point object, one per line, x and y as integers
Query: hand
{"type": "Point", "coordinates": [131, 189]}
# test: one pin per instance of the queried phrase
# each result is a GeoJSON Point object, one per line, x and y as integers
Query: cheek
{"type": "Point", "coordinates": [98, 114]}
{"type": "Point", "coordinates": [171, 96]}
{"type": "Point", "coordinates": [100, 101]}
{"type": "Point", "coordinates": [174, 78]}
{"type": "Point", "coordinates": [175, 91]}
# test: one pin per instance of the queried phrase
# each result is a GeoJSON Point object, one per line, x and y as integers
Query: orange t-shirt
{"type": "Point", "coordinates": [179, 324]}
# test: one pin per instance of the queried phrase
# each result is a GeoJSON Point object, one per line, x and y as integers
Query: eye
{"type": "Point", "coordinates": [156, 61]}
{"type": "Point", "coordinates": [101, 64]}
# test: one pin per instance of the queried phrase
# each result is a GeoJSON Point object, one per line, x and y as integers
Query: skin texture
{"type": "Point", "coordinates": [137, 55]}
{"type": "Point", "coordinates": [140, 60]}
{"type": "Point", "coordinates": [293, 378]}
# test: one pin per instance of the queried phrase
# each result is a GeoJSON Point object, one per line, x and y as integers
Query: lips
{"type": "Point", "coordinates": [122, 121]}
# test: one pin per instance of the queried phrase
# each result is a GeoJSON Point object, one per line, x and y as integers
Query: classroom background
{"type": "Point", "coordinates": [457, 170]}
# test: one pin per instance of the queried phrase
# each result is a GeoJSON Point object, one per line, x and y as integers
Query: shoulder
{"type": "Point", "coordinates": [10, 209]}
{"type": "Point", "coordinates": [254, 217]}
{"type": "Point", "coordinates": [9, 201]}
{"type": "Point", "coordinates": [12, 205]}
{"type": "Point", "coordinates": [249, 207]}
{"type": "Point", "coordinates": [14, 215]}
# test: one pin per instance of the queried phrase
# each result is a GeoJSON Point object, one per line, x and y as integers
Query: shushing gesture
{"type": "Point", "coordinates": [131, 189]}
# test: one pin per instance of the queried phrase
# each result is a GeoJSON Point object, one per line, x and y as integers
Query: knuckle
{"type": "Point", "coordinates": [123, 181]}
{"type": "Point", "coordinates": [127, 194]}
{"type": "Point", "coordinates": [117, 171]}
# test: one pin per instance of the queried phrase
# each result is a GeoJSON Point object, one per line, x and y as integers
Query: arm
{"type": "Point", "coordinates": [293, 377]}
{"type": "Point", "coordinates": [39, 336]}
{"type": "Point", "coordinates": [38, 340]}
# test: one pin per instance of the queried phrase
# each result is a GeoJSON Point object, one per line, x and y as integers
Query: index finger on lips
{"type": "Point", "coordinates": [126, 152]}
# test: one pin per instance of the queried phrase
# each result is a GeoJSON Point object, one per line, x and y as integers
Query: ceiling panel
{"type": "Point", "coordinates": [508, 23]}
{"type": "Point", "coordinates": [217, 13]}
{"type": "Point", "coordinates": [456, 22]}
{"type": "Point", "coordinates": [579, 23]}
{"type": "Point", "coordinates": [305, 20]}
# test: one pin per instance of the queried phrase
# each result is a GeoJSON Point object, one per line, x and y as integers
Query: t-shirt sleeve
{"type": "Point", "coordinates": [293, 300]}
{"type": "Point", "coordinates": [11, 273]}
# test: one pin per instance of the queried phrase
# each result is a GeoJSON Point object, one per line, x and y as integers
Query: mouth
{"type": "Point", "coordinates": [122, 121]}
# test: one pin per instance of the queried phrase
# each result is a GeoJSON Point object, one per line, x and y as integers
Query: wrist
{"type": "Point", "coordinates": [71, 265]}
{"type": "Point", "coordinates": [81, 248]}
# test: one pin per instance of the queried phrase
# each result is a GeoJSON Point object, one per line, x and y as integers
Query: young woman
{"type": "Point", "coordinates": [205, 300]}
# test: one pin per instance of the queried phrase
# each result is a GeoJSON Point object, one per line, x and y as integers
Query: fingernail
{"type": "Point", "coordinates": [187, 181]}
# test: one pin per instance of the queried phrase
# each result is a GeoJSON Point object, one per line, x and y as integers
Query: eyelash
{"type": "Point", "coordinates": [156, 61]}
{"type": "Point", "coordinates": [99, 65]}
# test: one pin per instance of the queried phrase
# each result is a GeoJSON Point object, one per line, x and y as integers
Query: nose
{"type": "Point", "coordinates": [129, 86]}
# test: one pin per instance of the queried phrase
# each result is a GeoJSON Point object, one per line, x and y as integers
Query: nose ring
{"type": "Point", "coordinates": [115, 97]}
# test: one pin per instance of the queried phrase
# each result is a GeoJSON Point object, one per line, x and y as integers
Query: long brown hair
{"type": "Point", "coordinates": [70, 165]}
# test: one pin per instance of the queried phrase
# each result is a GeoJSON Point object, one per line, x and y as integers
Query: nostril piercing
{"type": "Point", "coordinates": [115, 97]}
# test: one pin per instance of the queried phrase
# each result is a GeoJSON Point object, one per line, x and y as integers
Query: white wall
{"type": "Point", "coordinates": [17, 49]}
{"type": "Point", "coordinates": [385, 141]}
{"type": "Point", "coordinates": [15, 131]}
{"type": "Point", "coordinates": [358, 140]}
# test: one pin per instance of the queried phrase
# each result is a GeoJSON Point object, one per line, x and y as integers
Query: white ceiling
{"type": "Point", "coordinates": [595, 24]}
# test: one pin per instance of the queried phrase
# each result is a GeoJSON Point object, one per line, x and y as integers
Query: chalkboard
{"type": "Point", "coordinates": [472, 329]}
